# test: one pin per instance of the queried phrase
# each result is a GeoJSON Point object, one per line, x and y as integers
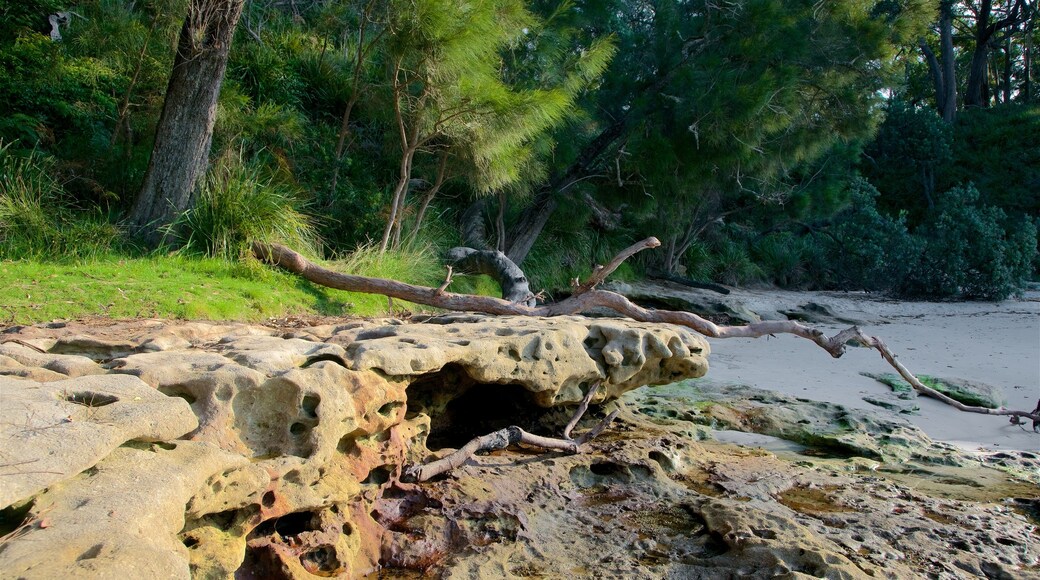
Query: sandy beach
{"type": "Point", "coordinates": [993, 343]}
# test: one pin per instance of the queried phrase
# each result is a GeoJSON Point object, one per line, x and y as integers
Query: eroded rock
{"type": "Point", "coordinates": [292, 467]}
{"type": "Point", "coordinates": [556, 359]}
{"type": "Point", "coordinates": [52, 431]}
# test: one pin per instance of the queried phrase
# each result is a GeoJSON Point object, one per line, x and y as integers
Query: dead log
{"type": "Point", "coordinates": [586, 296]}
{"type": "Point", "coordinates": [509, 276]}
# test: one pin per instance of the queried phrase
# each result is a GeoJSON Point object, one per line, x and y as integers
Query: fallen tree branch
{"type": "Point", "coordinates": [513, 435]}
{"type": "Point", "coordinates": [586, 297]}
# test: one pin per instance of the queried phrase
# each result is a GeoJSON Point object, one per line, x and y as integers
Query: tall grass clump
{"type": "Point", "coordinates": [238, 205]}
{"type": "Point", "coordinates": [36, 219]}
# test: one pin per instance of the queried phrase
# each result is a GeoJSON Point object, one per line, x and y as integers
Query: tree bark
{"type": "Point", "coordinates": [509, 276]}
{"type": "Point", "coordinates": [949, 64]}
{"type": "Point", "coordinates": [184, 135]}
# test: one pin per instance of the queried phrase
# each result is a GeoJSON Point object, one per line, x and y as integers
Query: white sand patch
{"type": "Point", "coordinates": [994, 343]}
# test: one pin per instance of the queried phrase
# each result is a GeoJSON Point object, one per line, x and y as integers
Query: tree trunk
{"type": "Point", "coordinates": [1007, 69]}
{"type": "Point", "coordinates": [936, 72]}
{"type": "Point", "coordinates": [977, 93]}
{"type": "Point", "coordinates": [185, 131]}
{"type": "Point", "coordinates": [532, 221]}
{"type": "Point", "coordinates": [949, 64]}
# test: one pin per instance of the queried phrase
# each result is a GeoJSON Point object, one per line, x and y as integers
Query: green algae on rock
{"type": "Point", "coordinates": [968, 392]}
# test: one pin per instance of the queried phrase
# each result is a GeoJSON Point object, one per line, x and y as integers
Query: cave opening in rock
{"type": "Point", "coordinates": [461, 408]}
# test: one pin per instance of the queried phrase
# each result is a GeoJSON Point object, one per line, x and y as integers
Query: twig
{"type": "Point", "coordinates": [586, 297]}
{"type": "Point", "coordinates": [513, 435]}
{"type": "Point", "coordinates": [447, 281]}
{"type": "Point", "coordinates": [582, 407]}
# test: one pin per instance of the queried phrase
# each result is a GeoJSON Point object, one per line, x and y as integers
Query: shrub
{"type": "Point", "coordinates": [971, 250]}
{"type": "Point", "coordinates": [869, 250]}
{"type": "Point", "coordinates": [236, 206]}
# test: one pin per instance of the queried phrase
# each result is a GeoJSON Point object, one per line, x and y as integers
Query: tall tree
{"type": "Point", "coordinates": [944, 75]}
{"type": "Point", "coordinates": [989, 20]}
{"type": "Point", "coordinates": [184, 134]}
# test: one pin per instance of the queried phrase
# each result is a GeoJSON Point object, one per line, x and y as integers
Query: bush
{"type": "Point", "coordinates": [237, 206]}
{"type": "Point", "coordinates": [971, 250]}
{"type": "Point", "coordinates": [869, 250]}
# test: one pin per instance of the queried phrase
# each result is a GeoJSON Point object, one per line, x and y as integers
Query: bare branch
{"type": "Point", "coordinates": [587, 297]}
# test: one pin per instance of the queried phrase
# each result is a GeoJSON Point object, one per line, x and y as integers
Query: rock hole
{"type": "Point", "coordinates": [287, 526]}
{"type": "Point", "coordinates": [268, 499]}
{"type": "Point", "coordinates": [348, 529]}
{"type": "Point", "coordinates": [178, 392]}
{"type": "Point", "coordinates": [478, 410]}
{"type": "Point", "coordinates": [348, 443]}
{"type": "Point", "coordinates": [293, 476]}
{"type": "Point", "coordinates": [93, 552]}
{"type": "Point", "coordinates": [322, 561]}
{"type": "Point", "coordinates": [91, 400]}
{"type": "Point", "coordinates": [390, 408]}
{"type": "Point", "coordinates": [663, 460]}
{"type": "Point", "coordinates": [378, 475]}
{"type": "Point", "coordinates": [190, 542]}
{"type": "Point", "coordinates": [766, 534]}
{"type": "Point", "coordinates": [608, 468]}
{"type": "Point", "coordinates": [297, 429]}
{"type": "Point", "coordinates": [460, 342]}
{"type": "Point", "coordinates": [310, 405]}
{"type": "Point", "coordinates": [503, 332]}
{"type": "Point", "coordinates": [12, 517]}
{"type": "Point", "coordinates": [164, 445]}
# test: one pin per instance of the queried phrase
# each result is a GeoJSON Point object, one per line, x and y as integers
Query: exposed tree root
{"type": "Point", "coordinates": [513, 435]}
{"type": "Point", "coordinates": [586, 296]}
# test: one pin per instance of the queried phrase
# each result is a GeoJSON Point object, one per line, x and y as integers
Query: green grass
{"type": "Point", "coordinates": [191, 288]}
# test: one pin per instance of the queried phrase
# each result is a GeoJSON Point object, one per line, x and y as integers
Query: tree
{"type": "Point", "coordinates": [989, 20]}
{"type": "Point", "coordinates": [944, 76]}
{"type": "Point", "coordinates": [453, 94]}
{"type": "Point", "coordinates": [710, 101]}
{"type": "Point", "coordinates": [185, 131]}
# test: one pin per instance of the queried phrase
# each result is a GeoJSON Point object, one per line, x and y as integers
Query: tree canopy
{"type": "Point", "coordinates": [763, 141]}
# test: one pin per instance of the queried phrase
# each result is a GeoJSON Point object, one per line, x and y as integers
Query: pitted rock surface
{"type": "Point", "coordinates": [554, 358]}
{"type": "Point", "coordinates": [243, 451]}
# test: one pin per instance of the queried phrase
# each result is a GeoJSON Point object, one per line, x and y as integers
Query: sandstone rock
{"type": "Point", "coordinates": [553, 358]}
{"type": "Point", "coordinates": [68, 365]}
{"type": "Point", "coordinates": [272, 355]}
{"type": "Point", "coordinates": [117, 520]}
{"type": "Point", "coordinates": [9, 367]}
{"type": "Point", "coordinates": [967, 392]}
{"type": "Point", "coordinates": [893, 403]}
{"type": "Point", "coordinates": [52, 431]}
{"type": "Point", "coordinates": [93, 347]}
{"type": "Point", "coordinates": [826, 427]}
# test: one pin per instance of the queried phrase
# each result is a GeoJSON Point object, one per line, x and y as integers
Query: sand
{"type": "Point", "coordinates": [994, 343]}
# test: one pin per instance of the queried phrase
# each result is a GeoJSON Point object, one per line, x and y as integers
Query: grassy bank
{"type": "Point", "coordinates": [174, 286]}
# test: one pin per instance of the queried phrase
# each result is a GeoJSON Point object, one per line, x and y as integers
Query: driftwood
{"type": "Point", "coordinates": [586, 296]}
{"type": "Point", "coordinates": [513, 435]}
{"type": "Point", "coordinates": [497, 265]}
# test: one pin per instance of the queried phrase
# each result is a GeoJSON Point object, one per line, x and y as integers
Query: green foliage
{"type": "Point", "coordinates": [869, 250]}
{"type": "Point", "coordinates": [998, 149]}
{"type": "Point", "coordinates": [36, 219]}
{"type": "Point", "coordinates": [911, 149]}
{"type": "Point", "coordinates": [971, 250]}
{"type": "Point", "coordinates": [238, 205]}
